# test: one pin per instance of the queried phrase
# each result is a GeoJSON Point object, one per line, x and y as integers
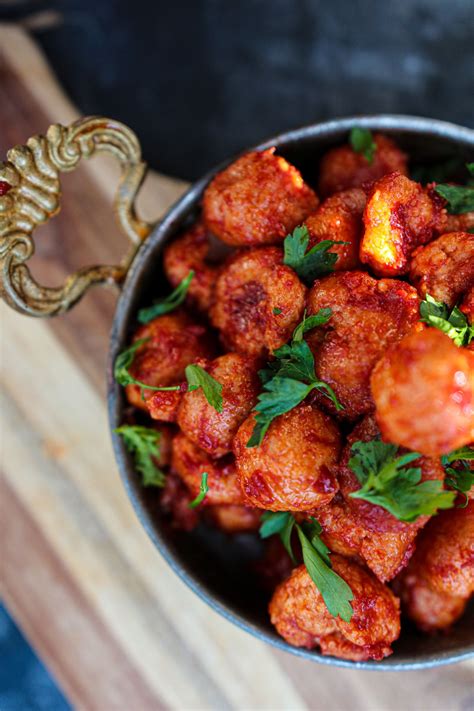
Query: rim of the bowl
{"type": "Point", "coordinates": [391, 122]}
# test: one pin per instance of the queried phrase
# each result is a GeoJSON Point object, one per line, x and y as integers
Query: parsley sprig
{"type": "Point", "coordinates": [335, 592]}
{"type": "Point", "coordinates": [460, 198]}
{"type": "Point", "coordinates": [451, 321]}
{"type": "Point", "coordinates": [170, 303]}
{"type": "Point", "coordinates": [312, 264]}
{"type": "Point", "coordinates": [289, 379]}
{"type": "Point", "coordinates": [387, 481]}
{"type": "Point", "coordinates": [362, 141]}
{"type": "Point", "coordinates": [460, 478]}
{"type": "Point", "coordinates": [203, 489]}
{"type": "Point", "coordinates": [143, 443]}
{"type": "Point", "coordinates": [196, 377]}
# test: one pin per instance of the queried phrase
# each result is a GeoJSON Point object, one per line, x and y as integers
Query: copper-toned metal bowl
{"type": "Point", "coordinates": [215, 566]}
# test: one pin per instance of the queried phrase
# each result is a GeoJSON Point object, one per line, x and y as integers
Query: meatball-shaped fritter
{"type": "Point", "coordinates": [423, 388]}
{"type": "Point", "coordinates": [291, 469]}
{"type": "Point", "coordinates": [174, 341]}
{"type": "Point", "coordinates": [399, 216]}
{"type": "Point", "coordinates": [343, 168]}
{"type": "Point", "coordinates": [190, 463]}
{"type": "Point", "coordinates": [339, 218]}
{"type": "Point", "coordinates": [440, 577]}
{"type": "Point", "coordinates": [257, 200]}
{"type": "Point", "coordinates": [444, 269]}
{"type": "Point", "coordinates": [214, 431]}
{"type": "Point", "coordinates": [234, 519]}
{"type": "Point", "coordinates": [460, 223]}
{"type": "Point", "coordinates": [367, 315]}
{"type": "Point", "coordinates": [300, 616]}
{"type": "Point", "coordinates": [188, 252]}
{"type": "Point", "coordinates": [258, 301]}
{"type": "Point", "coordinates": [467, 305]}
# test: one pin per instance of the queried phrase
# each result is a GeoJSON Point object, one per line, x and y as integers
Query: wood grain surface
{"type": "Point", "coordinates": [118, 629]}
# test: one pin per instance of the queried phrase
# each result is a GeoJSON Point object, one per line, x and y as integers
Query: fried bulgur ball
{"type": "Point", "coordinates": [339, 218]}
{"type": "Point", "coordinates": [367, 315]}
{"type": "Point", "coordinates": [299, 614]}
{"type": "Point", "coordinates": [356, 527]}
{"type": "Point", "coordinates": [467, 305]}
{"type": "Point", "coordinates": [214, 431]}
{"type": "Point", "coordinates": [174, 341]}
{"type": "Point", "coordinates": [399, 216]}
{"type": "Point", "coordinates": [423, 388]}
{"type": "Point", "coordinates": [258, 301]}
{"type": "Point", "coordinates": [291, 469]}
{"type": "Point", "coordinates": [342, 168]}
{"type": "Point", "coordinates": [444, 269]}
{"type": "Point", "coordinates": [460, 223]}
{"type": "Point", "coordinates": [440, 576]}
{"type": "Point", "coordinates": [189, 252]}
{"type": "Point", "coordinates": [190, 463]}
{"type": "Point", "coordinates": [257, 200]}
{"type": "Point", "coordinates": [234, 519]}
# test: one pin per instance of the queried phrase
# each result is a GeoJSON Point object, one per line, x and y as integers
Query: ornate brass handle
{"type": "Point", "coordinates": [30, 194]}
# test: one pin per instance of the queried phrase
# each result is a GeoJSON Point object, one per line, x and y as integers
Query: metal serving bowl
{"type": "Point", "coordinates": [215, 566]}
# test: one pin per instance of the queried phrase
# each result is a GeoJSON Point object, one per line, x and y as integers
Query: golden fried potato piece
{"type": "Point", "coordinates": [399, 216]}
{"type": "Point", "coordinates": [339, 218]}
{"type": "Point", "coordinates": [367, 315]}
{"type": "Point", "coordinates": [214, 431]}
{"type": "Point", "coordinates": [234, 519]}
{"type": "Point", "coordinates": [355, 527]}
{"type": "Point", "coordinates": [190, 463]}
{"type": "Point", "coordinates": [189, 252]}
{"type": "Point", "coordinates": [257, 301]}
{"type": "Point", "coordinates": [174, 341]}
{"type": "Point", "coordinates": [257, 200]}
{"type": "Point", "coordinates": [444, 269]}
{"type": "Point", "coordinates": [300, 615]}
{"type": "Point", "coordinates": [342, 168]}
{"type": "Point", "coordinates": [423, 388]}
{"type": "Point", "coordinates": [290, 470]}
{"type": "Point", "coordinates": [440, 577]}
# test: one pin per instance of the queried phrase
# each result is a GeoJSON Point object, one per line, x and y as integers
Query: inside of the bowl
{"type": "Point", "coordinates": [221, 568]}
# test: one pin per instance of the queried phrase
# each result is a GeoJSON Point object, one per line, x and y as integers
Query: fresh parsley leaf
{"type": "Point", "coordinates": [335, 592]}
{"type": "Point", "coordinates": [122, 364]}
{"type": "Point", "coordinates": [310, 322]}
{"type": "Point", "coordinates": [362, 141]}
{"type": "Point", "coordinates": [452, 322]}
{"type": "Point", "coordinates": [277, 311]}
{"type": "Point", "coordinates": [197, 377]}
{"type": "Point", "coordinates": [470, 167]}
{"type": "Point", "coordinates": [170, 303]}
{"type": "Point", "coordinates": [309, 265]}
{"type": "Point", "coordinates": [289, 379]}
{"type": "Point", "coordinates": [460, 198]}
{"type": "Point", "coordinates": [143, 443]}
{"type": "Point", "coordinates": [460, 478]}
{"type": "Point", "coordinates": [203, 489]}
{"type": "Point", "coordinates": [388, 482]}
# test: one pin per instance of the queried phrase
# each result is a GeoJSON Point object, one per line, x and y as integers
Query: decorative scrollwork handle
{"type": "Point", "coordinates": [30, 193]}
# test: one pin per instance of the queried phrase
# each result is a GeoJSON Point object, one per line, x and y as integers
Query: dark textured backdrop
{"type": "Point", "coordinates": [200, 79]}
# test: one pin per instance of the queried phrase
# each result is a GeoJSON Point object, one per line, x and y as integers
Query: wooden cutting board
{"type": "Point", "coordinates": [116, 626]}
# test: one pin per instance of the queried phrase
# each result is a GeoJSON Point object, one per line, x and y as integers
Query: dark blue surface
{"type": "Point", "coordinates": [25, 684]}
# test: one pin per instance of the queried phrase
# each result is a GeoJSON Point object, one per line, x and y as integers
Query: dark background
{"type": "Point", "coordinates": [201, 79]}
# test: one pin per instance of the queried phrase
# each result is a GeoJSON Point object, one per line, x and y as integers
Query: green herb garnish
{"type": "Point", "coordinates": [335, 592]}
{"type": "Point", "coordinates": [277, 311]}
{"type": "Point", "coordinates": [452, 322]}
{"type": "Point", "coordinates": [460, 198]}
{"type": "Point", "coordinates": [313, 264]}
{"type": "Point", "coordinates": [203, 489]}
{"type": "Point", "coordinates": [143, 443]}
{"type": "Point", "coordinates": [362, 141]}
{"type": "Point", "coordinates": [197, 377]}
{"type": "Point", "coordinates": [462, 478]}
{"type": "Point", "coordinates": [122, 364]}
{"type": "Point", "coordinates": [289, 379]}
{"type": "Point", "coordinates": [388, 482]}
{"type": "Point", "coordinates": [170, 303]}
